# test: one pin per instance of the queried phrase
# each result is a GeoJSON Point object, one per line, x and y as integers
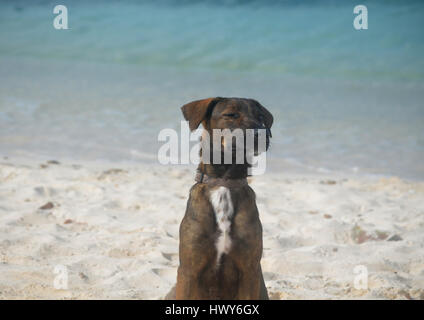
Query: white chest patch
{"type": "Point", "coordinates": [220, 199]}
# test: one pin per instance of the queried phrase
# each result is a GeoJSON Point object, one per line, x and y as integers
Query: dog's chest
{"type": "Point", "coordinates": [220, 199]}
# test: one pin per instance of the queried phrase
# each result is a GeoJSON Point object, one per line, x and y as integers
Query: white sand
{"type": "Point", "coordinates": [116, 232]}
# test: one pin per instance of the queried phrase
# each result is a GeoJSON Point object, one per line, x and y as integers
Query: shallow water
{"type": "Point", "coordinates": [343, 100]}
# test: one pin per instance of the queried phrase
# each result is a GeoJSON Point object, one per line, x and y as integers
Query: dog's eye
{"type": "Point", "coordinates": [231, 115]}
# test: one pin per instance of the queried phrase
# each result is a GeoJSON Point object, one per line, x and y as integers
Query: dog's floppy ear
{"type": "Point", "coordinates": [196, 111]}
{"type": "Point", "coordinates": [268, 118]}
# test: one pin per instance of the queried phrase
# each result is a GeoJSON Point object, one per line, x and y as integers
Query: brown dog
{"type": "Point", "coordinates": [221, 234]}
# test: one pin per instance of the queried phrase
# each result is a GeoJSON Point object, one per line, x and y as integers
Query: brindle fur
{"type": "Point", "coordinates": [239, 274]}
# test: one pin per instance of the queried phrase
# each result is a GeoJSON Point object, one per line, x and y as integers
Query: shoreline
{"type": "Point", "coordinates": [340, 125]}
{"type": "Point", "coordinates": [281, 166]}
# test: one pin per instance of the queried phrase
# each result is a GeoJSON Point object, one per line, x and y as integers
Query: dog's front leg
{"type": "Point", "coordinates": [196, 252]}
{"type": "Point", "coordinates": [186, 288]}
{"type": "Point", "coordinates": [249, 286]}
{"type": "Point", "coordinates": [263, 295]}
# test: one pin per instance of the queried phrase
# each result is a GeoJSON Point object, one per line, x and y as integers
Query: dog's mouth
{"type": "Point", "coordinates": [254, 148]}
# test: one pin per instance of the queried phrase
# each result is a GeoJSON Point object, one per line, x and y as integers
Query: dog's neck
{"type": "Point", "coordinates": [224, 171]}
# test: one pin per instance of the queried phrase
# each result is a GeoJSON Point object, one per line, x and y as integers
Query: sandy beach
{"type": "Point", "coordinates": [114, 229]}
{"type": "Point", "coordinates": [88, 212]}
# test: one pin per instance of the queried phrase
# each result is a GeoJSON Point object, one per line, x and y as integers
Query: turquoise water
{"type": "Point", "coordinates": [344, 100]}
{"type": "Point", "coordinates": [284, 37]}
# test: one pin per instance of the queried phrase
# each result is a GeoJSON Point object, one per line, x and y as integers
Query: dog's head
{"type": "Point", "coordinates": [230, 113]}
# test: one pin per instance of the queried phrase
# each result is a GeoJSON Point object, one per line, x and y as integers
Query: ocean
{"type": "Point", "coordinates": [344, 100]}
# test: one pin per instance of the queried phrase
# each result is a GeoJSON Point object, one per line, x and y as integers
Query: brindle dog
{"type": "Point", "coordinates": [221, 234]}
